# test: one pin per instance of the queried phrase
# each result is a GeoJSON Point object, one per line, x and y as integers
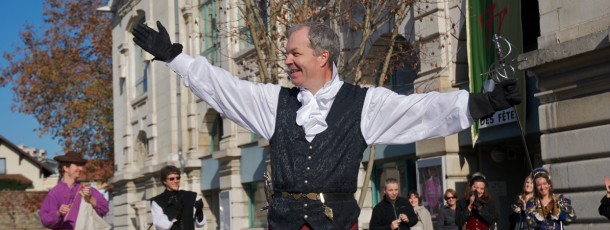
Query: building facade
{"type": "Point", "coordinates": [159, 122]}
{"type": "Point", "coordinates": [572, 73]}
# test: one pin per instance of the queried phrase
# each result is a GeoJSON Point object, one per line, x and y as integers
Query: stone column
{"type": "Point", "coordinates": [442, 69]}
{"type": "Point", "coordinates": [229, 158]}
{"type": "Point", "coordinates": [141, 213]}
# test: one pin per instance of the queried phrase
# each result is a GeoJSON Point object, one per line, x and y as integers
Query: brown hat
{"type": "Point", "coordinates": [71, 157]}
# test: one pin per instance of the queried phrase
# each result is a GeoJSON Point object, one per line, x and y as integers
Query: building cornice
{"type": "Point", "coordinates": [570, 69]}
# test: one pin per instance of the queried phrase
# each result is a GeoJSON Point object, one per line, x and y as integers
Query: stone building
{"type": "Point", "coordinates": [571, 69]}
{"type": "Point", "coordinates": [159, 122]}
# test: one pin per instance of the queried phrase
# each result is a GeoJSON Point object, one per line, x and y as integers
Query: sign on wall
{"type": "Point", "coordinates": [498, 118]}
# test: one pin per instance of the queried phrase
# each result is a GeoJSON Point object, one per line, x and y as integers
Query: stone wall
{"type": "Point", "coordinates": [19, 209]}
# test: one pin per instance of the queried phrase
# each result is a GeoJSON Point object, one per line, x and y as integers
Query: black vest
{"type": "Point", "coordinates": [329, 164]}
{"type": "Point", "coordinates": [187, 198]}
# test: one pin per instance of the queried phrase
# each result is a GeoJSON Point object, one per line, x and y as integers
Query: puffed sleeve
{"type": "Point", "coordinates": [566, 212]}
{"type": "Point", "coordinates": [101, 204]}
{"type": "Point", "coordinates": [48, 211]}
{"type": "Point", "coordinates": [533, 216]}
{"type": "Point", "coordinates": [250, 105]}
{"type": "Point", "coordinates": [160, 220]}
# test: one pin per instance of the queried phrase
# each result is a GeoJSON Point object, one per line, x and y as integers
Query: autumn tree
{"type": "Point", "coordinates": [62, 75]}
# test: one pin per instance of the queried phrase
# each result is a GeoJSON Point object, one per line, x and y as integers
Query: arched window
{"type": "Point", "coordinates": [216, 134]}
{"type": "Point", "coordinates": [403, 67]}
{"type": "Point", "coordinates": [141, 148]}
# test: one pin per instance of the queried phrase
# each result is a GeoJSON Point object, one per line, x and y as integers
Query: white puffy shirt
{"type": "Point", "coordinates": [387, 117]}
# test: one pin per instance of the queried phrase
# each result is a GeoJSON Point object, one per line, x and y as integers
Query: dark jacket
{"type": "Point", "coordinates": [183, 211]}
{"type": "Point", "coordinates": [446, 219]}
{"type": "Point", "coordinates": [604, 207]}
{"type": "Point", "coordinates": [518, 219]}
{"type": "Point", "coordinates": [485, 213]}
{"type": "Point", "coordinates": [385, 212]}
{"type": "Point", "coordinates": [328, 164]}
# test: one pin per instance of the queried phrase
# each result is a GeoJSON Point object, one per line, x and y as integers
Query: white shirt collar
{"type": "Point", "coordinates": [314, 109]}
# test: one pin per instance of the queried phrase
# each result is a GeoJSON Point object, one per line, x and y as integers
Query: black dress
{"type": "Point", "coordinates": [485, 215]}
{"type": "Point", "coordinates": [604, 207]}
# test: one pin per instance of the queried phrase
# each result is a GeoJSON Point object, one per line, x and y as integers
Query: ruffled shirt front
{"type": "Point", "coordinates": [312, 114]}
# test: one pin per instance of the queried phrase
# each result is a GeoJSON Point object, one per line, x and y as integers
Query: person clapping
{"type": "Point", "coordinates": [548, 210]}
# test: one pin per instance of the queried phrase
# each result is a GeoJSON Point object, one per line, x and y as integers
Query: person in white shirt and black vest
{"type": "Point", "coordinates": [319, 129]}
{"type": "Point", "coordinates": [175, 208]}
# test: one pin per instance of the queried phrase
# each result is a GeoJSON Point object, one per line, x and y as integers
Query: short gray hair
{"type": "Point", "coordinates": [390, 181]}
{"type": "Point", "coordinates": [321, 38]}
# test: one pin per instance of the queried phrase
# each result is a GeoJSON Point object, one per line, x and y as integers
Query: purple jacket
{"type": "Point", "coordinates": [62, 194]}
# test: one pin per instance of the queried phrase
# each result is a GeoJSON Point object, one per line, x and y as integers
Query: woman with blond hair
{"type": "Point", "coordinates": [548, 210]}
{"type": "Point", "coordinates": [517, 218]}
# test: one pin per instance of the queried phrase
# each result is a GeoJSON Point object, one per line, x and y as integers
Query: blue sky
{"type": "Point", "coordinates": [19, 128]}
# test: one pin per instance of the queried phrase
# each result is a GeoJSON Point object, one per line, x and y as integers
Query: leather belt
{"type": "Point", "coordinates": [319, 196]}
{"type": "Point", "coordinates": [323, 197]}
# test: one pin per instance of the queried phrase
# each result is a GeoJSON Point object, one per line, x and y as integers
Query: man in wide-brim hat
{"type": "Point", "coordinates": [59, 209]}
{"type": "Point", "coordinates": [71, 157]}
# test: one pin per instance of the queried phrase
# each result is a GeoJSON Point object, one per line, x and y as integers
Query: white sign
{"type": "Point", "coordinates": [501, 117]}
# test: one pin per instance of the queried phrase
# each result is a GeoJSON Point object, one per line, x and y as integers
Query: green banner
{"type": "Point", "coordinates": [484, 19]}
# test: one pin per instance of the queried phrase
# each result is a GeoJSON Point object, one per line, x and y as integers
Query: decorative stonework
{"type": "Point", "coordinates": [126, 7]}
{"type": "Point", "coordinates": [560, 69]}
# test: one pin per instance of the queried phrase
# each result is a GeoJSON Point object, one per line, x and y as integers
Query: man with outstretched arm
{"type": "Point", "coordinates": [319, 129]}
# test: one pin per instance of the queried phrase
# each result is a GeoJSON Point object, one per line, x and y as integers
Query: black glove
{"type": "Point", "coordinates": [198, 204]}
{"type": "Point", "coordinates": [476, 203]}
{"type": "Point", "coordinates": [156, 43]}
{"type": "Point", "coordinates": [173, 209]}
{"type": "Point", "coordinates": [504, 95]}
{"type": "Point", "coordinates": [199, 210]}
